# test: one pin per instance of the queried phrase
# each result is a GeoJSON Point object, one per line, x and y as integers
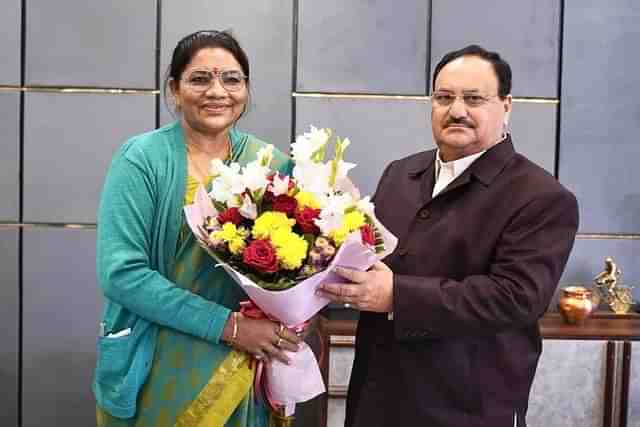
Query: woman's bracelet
{"type": "Point", "coordinates": [234, 333]}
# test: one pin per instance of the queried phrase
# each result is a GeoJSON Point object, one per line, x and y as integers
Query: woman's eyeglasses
{"type": "Point", "coordinates": [201, 80]}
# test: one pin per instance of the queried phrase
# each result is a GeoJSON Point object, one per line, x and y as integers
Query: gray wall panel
{"type": "Point", "coordinates": [533, 128]}
{"type": "Point", "coordinates": [587, 260]}
{"type": "Point", "coordinates": [371, 46]}
{"type": "Point", "coordinates": [601, 114]}
{"type": "Point", "coordinates": [97, 43]}
{"type": "Point", "coordinates": [10, 29]}
{"type": "Point", "coordinates": [265, 34]}
{"type": "Point", "coordinates": [380, 131]}
{"type": "Point", "coordinates": [525, 33]}
{"type": "Point", "coordinates": [565, 367]}
{"type": "Point", "coordinates": [9, 303]}
{"type": "Point", "coordinates": [61, 315]}
{"type": "Point", "coordinates": [69, 140]}
{"type": "Point", "coordinates": [9, 157]}
{"type": "Point", "coordinates": [633, 416]}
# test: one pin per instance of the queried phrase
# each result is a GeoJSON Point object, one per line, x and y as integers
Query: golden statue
{"type": "Point", "coordinates": [619, 298]}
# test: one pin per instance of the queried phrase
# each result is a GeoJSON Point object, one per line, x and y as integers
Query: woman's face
{"type": "Point", "coordinates": [214, 109]}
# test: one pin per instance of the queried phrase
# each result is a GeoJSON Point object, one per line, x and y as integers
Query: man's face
{"type": "Point", "coordinates": [475, 123]}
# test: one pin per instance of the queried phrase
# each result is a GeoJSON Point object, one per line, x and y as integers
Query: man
{"type": "Point", "coordinates": [448, 332]}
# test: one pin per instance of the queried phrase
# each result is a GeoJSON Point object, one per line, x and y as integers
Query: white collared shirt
{"type": "Point", "coordinates": [446, 172]}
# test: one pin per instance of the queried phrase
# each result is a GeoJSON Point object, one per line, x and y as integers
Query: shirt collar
{"type": "Point", "coordinates": [456, 167]}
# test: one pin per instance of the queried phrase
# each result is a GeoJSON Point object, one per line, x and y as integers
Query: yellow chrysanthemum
{"type": "Point", "coordinates": [233, 235]}
{"type": "Point", "coordinates": [350, 223]}
{"type": "Point", "coordinates": [291, 249]}
{"type": "Point", "coordinates": [307, 199]}
{"type": "Point", "coordinates": [339, 235]}
{"type": "Point", "coordinates": [236, 246]}
{"type": "Point", "coordinates": [353, 220]}
{"type": "Point", "coordinates": [268, 222]}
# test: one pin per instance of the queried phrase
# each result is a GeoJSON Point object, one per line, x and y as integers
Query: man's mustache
{"type": "Point", "coordinates": [461, 121]}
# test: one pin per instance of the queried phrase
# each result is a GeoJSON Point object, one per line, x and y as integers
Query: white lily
{"type": "Point", "coordinates": [332, 213]}
{"type": "Point", "coordinates": [343, 169]}
{"type": "Point", "coordinates": [227, 182]}
{"type": "Point", "coordinates": [340, 168]}
{"type": "Point", "coordinates": [248, 209]}
{"type": "Point", "coordinates": [280, 185]}
{"type": "Point", "coordinates": [328, 222]}
{"type": "Point", "coordinates": [313, 177]}
{"type": "Point", "coordinates": [365, 206]}
{"type": "Point", "coordinates": [310, 145]}
{"type": "Point", "coordinates": [254, 176]}
{"type": "Point", "coordinates": [265, 155]}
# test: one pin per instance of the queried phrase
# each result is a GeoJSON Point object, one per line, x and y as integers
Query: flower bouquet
{"type": "Point", "coordinates": [280, 237]}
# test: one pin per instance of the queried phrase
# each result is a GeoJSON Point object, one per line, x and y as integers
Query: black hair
{"type": "Point", "coordinates": [191, 44]}
{"type": "Point", "coordinates": [500, 66]}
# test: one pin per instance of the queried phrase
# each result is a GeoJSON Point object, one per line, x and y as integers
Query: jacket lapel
{"type": "Point", "coordinates": [485, 168]}
{"type": "Point", "coordinates": [422, 177]}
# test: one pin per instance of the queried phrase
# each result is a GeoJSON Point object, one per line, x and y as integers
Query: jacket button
{"type": "Point", "coordinates": [424, 213]}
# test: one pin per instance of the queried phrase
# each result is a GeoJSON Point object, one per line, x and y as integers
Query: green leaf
{"type": "Point", "coordinates": [219, 206]}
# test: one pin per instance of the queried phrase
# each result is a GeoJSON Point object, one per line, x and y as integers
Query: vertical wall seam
{"type": "Point", "coordinates": [21, 119]}
{"type": "Point", "coordinates": [429, 35]}
{"type": "Point", "coordinates": [294, 68]}
{"type": "Point", "coordinates": [158, 80]}
{"type": "Point", "coordinates": [559, 93]}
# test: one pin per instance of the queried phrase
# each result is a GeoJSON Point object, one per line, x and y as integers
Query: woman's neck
{"type": "Point", "coordinates": [212, 145]}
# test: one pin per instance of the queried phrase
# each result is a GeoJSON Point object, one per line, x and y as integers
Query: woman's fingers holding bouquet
{"type": "Point", "coordinates": [265, 339]}
{"type": "Point", "coordinates": [287, 340]}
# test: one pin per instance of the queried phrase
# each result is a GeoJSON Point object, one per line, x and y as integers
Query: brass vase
{"type": "Point", "coordinates": [576, 304]}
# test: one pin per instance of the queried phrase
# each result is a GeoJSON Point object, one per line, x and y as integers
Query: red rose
{"type": "Point", "coordinates": [230, 215]}
{"type": "Point", "coordinates": [285, 204]}
{"type": "Point", "coordinates": [261, 256]}
{"type": "Point", "coordinates": [367, 234]}
{"type": "Point", "coordinates": [305, 217]}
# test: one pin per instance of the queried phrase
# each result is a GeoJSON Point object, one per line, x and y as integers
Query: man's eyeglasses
{"type": "Point", "coordinates": [445, 99]}
{"type": "Point", "coordinates": [201, 80]}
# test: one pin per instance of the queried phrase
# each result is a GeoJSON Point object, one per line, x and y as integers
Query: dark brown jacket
{"type": "Point", "coordinates": [474, 270]}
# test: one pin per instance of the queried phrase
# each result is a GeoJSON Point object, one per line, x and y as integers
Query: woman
{"type": "Point", "coordinates": [174, 350]}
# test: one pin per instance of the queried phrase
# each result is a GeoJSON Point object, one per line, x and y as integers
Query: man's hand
{"type": "Point", "coordinates": [368, 291]}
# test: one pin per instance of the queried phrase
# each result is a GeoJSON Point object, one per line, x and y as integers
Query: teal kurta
{"type": "Point", "coordinates": [158, 282]}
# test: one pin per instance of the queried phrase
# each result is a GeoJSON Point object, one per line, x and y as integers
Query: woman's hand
{"type": "Point", "coordinates": [262, 338]}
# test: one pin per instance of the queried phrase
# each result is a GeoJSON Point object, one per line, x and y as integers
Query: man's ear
{"type": "Point", "coordinates": [507, 110]}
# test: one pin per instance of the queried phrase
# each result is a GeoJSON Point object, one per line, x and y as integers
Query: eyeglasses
{"type": "Point", "coordinates": [201, 80]}
{"type": "Point", "coordinates": [445, 99]}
